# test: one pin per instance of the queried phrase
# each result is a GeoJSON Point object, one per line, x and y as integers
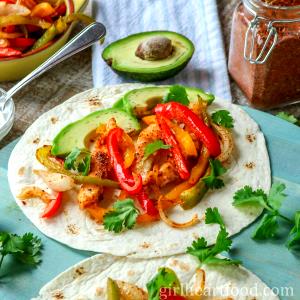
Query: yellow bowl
{"type": "Point", "coordinates": [15, 69]}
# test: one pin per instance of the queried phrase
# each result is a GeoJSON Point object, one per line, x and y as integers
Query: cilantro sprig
{"type": "Point", "coordinates": [78, 160]}
{"type": "Point", "coordinates": [208, 254]}
{"type": "Point", "coordinates": [212, 216]}
{"type": "Point", "coordinates": [223, 118]}
{"type": "Point", "coordinates": [26, 248]}
{"type": "Point", "coordinates": [177, 93]}
{"type": "Point", "coordinates": [271, 202]}
{"type": "Point", "coordinates": [288, 117]}
{"type": "Point", "coordinates": [123, 216]}
{"type": "Point", "coordinates": [165, 278]}
{"type": "Point", "coordinates": [212, 180]}
{"type": "Point", "coordinates": [294, 236]}
{"type": "Point", "coordinates": [154, 146]}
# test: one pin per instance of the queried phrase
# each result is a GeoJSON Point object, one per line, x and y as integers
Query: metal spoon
{"type": "Point", "coordinates": [88, 36]}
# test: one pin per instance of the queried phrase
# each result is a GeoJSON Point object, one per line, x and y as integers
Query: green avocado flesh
{"type": "Point", "coordinates": [120, 56]}
{"type": "Point", "coordinates": [141, 101]}
{"type": "Point", "coordinates": [74, 134]}
{"type": "Point", "coordinates": [191, 197]}
{"type": "Point", "coordinates": [112, 289]}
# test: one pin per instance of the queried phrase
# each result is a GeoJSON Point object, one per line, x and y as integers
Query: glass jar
{"type": "Point", "coordinates": [264, 55]}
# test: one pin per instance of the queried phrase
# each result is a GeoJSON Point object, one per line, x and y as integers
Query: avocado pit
{"type": "Point", "coordinates": [154, 48]}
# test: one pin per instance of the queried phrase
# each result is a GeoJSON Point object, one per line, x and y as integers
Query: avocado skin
{"type": "Point", "coordinates": [154, 75]}
{"type": "Point", "coordinates": [119, 104]}
{"type": "Point", "coordinates": [191, 197]}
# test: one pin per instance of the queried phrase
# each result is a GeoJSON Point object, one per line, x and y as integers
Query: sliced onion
{"type": "Point", "coordinates": [55, 181]}
{"type": "Point", "coordinates": [199, 286]}
{"type": "Point", "coordinates": [3, 42]}
{"type": "Point", "coordinates": [34, 192]}
{"type": "Point", "coordinates": [226, 140]}
{"type": "Point", "coordinates": [7, 9]}
{"type": "Point", "coordinates": [171, 223]}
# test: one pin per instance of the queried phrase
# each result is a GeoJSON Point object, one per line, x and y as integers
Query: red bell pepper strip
{"type": "Point", "coordinates": [170, 139]}
{"type": "Point", "coordinates": [32, 28]}
{"type": "Point", "coordinates": [9, 1]}
{"type": "Point", "coordinates": [22, 42]}
{"type": "Point", "coordinates": [125, 177]}
{"type": "Point", "coordinates": [48, 19]}
{"type": "Point", "coordinates": [9, 28]}
{"type": "Point", "coordinates": [9, 52]}
{"type": "Point", "coordinates": [169, 294]}
{"type": "Point", "coordinates": [181, 113]}
{"type": "Point", "coordinates": [53, 206]}
{"type": "Point", "coordinates": [146, 203]}
{"type": "Point", "coordinates": [61, 10]}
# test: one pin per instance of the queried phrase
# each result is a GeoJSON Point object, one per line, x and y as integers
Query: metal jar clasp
{"type": "Point", "coordinates": [264, 52]}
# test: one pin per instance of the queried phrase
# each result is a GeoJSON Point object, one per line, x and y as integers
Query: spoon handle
{"type": "Point", "coordinates": [88, 36]}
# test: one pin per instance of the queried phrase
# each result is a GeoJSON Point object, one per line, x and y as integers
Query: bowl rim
{"type": "Point", "coordinates": [7, 125]}
{"type": "Point", "coordinates": [67, 32]}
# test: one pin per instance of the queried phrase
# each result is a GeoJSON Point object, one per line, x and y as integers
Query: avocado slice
{"type": "Point", "coordinates": [122, 56]}
{"type": "Point", "coordinates": [74, 134]}
{"type": "Point", "coordinates": [191, 197]}
{"type": "Point", "coordinates": [112, 289]}
{"type": "Point", "coordinates": [141, 101]}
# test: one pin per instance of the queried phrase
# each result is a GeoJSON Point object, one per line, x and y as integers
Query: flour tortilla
{"type": "Point", "coordinates": [87, 279]}
{"type": "Point", "coordinates": [73, 227]}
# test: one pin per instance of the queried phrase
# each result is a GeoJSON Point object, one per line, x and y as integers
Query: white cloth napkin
{"type": "Point", "coordinates": [196, 19]}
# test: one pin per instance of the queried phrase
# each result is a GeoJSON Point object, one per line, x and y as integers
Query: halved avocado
{"type": "Point", "coordinates": [74, 134]}
{"type": "Point", "coordinates": [141, 101]}
{"type": "Point", "coordinates": [122, 56]}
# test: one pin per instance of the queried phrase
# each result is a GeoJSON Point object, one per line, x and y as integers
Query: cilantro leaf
{"type": "Point", "coordinates": [31, 250]}
{"type": "Point", "coordinates": [122, 216]}
{"type": "Point", "coordinates": [294, 235]}
{"type": "Point", "coordinates": [206, 254]}
{"type": "Point", "coordinates": [78, 160]}
{"type": "Point", "coordinates": [276, 195]}
{"type": "Point", "coordinates": [84, 166]}
{"type": "Point", "coordinates": [267, 227]}
{"type": "Point", "coordinates": [247, 195]}
{"type": "Point", "coordinates": [216, 169]}
{"type": "Point", "coordinates": [165, 278]}
{"type": "Point", "coordinates": [285, 116]}
{"type": "Point", "coordinates": [14, 244]}
{"type": "Point", "coordinates": [177, 93]}
{"type": "Point", "coordinates": [223, 118]}
{"type": "Point", "coordinates": [271, 202]}
{"type": "Point", "coordinates": [199, 249]}
{"type": "Point", "coordinates": [212, 216]}
{"type": "Point", "coordinates": [223, 243]}
{"type": "Point", "coordinates": [222, 261]}
{"type": "Point", "coordinates": [26, 248]}
{"type": "Point", "coordinates": [153, 147]}
{"type": "Point", "coordinates": [71, 158]}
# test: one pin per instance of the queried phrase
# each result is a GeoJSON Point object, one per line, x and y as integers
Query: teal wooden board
{"type": "Point", "coordinates": [270, 260]}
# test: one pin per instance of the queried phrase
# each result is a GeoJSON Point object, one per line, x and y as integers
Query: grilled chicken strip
{"type": "Point", "coordinates": [100, 166]}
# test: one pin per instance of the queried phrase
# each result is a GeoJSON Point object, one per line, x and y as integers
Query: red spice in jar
{"type": "Point", "coordinates": [275, 82]}
{"type": "Point", "coordinates": [282, 2]}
